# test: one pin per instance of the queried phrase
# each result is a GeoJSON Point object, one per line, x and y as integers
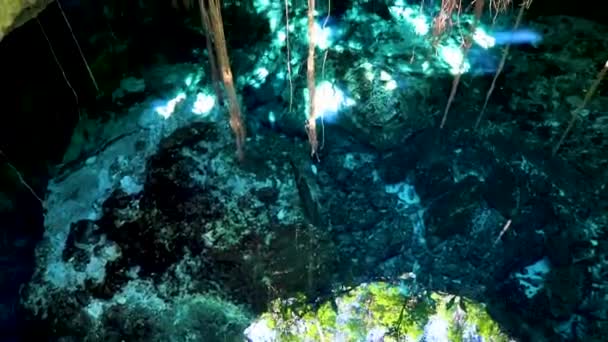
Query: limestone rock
{"type": "Point", "coordinates": [14, 13]}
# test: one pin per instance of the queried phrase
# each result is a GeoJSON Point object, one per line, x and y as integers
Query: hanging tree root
{"type": "Point", "coordinates": [214, 16]}
{"type": "Point", "coordinates": [311, 124]}
{"type": "Point", "coordinates": [443, 20]}
{"type": "Point", "coordinates": [466, 46]}
{"type": "Point", "coordinates": [211, 54]}
{"type": "Point", "coordinates": [21, 179]}
{"type": "Point", "coordinates": [287, 45]}
{"type": "Point", "coordinates": [525, 5]}
{"type": "Point", "coordinates": [56, 59]}
{"type": "Point", "coordinates": [86, 64]}
{"type": "Point", "coordinates": [579, 108]}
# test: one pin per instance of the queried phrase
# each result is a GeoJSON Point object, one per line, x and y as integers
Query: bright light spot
{"type": "Point", "coordinates": [411, 16]}
{"type": "Point", "coordinates": [203, 105]}
{"type": "Point", "coordinates": [259, 331]}
{"type": "Point", "coordinates": [483, 39]}
{"type": "Point", "coordinates": [274, 23]}
{"type": "Point", "coordinates": [322, 36]}
{"type": "Point", "coordinates": [454, 58]}
{"type": "Point", "coordinates": [390, 85]}
{"type": "Point", "coordinates": [436, 330]}
{"type": "Point", "coordinates": [369, 71]}
{"type": "Point", "coordinates": [167, 110]}
{"type": "Point", "coordinates": [272, 118]}
{"type": "Point", "coordinates": [261, 73]}
{"type": "Point", "coordinates": [369, 75]}
{"type": "Point", "coordinates": [330, 99]}
{"type": "Point", "coordinates": [389, 82]}
{"type": "Point", "coordinates": [355, 45]}
{"type": "Point", "coordinates": [261, 5]}
{"type": "Point", "coordinates": [367, 66]}
{"type": "Point", "coordinates": [313, 169]}
{"type": "Point", "coordinates": [188, 80]}
{"type": "Point", "coordinates": [259, 77]}
{"type": "Point", "coordinates": [385, 76]}
{"type": "Point", "coordinates": [281, 36]}
{"type": "Point", "coordinates": [519, 36]}
{"type": "Point", "coordinates": [420, 25]}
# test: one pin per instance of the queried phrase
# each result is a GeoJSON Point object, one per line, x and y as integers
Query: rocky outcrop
{"type": "Point", "coordinates": [14, 13]}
